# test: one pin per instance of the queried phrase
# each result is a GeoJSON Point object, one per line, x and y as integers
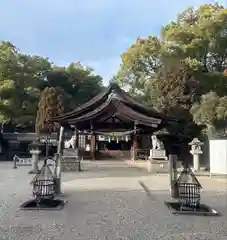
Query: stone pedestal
{"type": "Point", "coordinates": [35, 159]}
{"type": "Point", "coordinates": [70, 164]}
{"type": "Point", "coordinates": [196, 154]}
{"type": "Point", "coordinates": [158, 154]}
{"type": "Point", "coordinates": [149, 165]}
{"type": "Point", "coordinates": [196, 165]}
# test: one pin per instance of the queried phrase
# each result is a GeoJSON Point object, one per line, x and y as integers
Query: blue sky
{"type": "Point", "coordinates": [94, 32]}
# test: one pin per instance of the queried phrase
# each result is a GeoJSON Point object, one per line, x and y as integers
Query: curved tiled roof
{"type": "Point", "coordinates": [119, 94]}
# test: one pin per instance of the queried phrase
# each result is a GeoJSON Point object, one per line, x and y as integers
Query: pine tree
{"type": "Point", "coordinates": [51, 104]}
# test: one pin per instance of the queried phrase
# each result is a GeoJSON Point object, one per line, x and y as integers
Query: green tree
{"type": "Point", "coordinates": [197, 38]}
{"type": "Point", "coordinates": [211, 111]}
{"type": "Point", "coordinates": [201, 34]}
{"type": "Point", "coordinates": [173, 91]}
{"type": "Point", "coordinates": [51, 104]}
{"type": "Point", "coordinates": [139, 63]}
{"type": "Point", "coordinates": [19, 76]}
{"type": "Point", "coordinates": [79, 83]}
{"type": "Point", "coordinates": [187, 61]}
{"type": "Point", "coordinates": [23, 77]}
{"type": "Point", "coordinates": [8, 64]}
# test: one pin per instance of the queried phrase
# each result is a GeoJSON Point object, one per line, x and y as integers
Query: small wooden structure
{"type": "Point", "coordinates": [113, 110]}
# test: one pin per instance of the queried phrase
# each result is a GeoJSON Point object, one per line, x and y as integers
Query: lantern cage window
{"type": "Point", "coordinates": [43, 189]}
{"type": "Point", "coordinates": [189, 194]}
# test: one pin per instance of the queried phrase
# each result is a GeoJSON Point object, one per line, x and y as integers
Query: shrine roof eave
{"type": "Point", "coordinates": [86, 105]}
{"type": "Point", "coordinates": [103, 97]}
{"type": "Point", "coordinates": [111, 128]}
{"type": "Point", "coordinates": [108, 126]}
{"type": "Point", "coordinates": [149, 111]}
{"type": "Point", "coordinates": [121, 109]}
{"type": "Point", "coordinates": [125, 112]}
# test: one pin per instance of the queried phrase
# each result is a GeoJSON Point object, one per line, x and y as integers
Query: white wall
{"type": "Point", "coordinates": [218, 156]}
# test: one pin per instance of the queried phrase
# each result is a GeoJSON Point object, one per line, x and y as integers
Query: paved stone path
{"type": "Point", "coordinates": [105, 201]}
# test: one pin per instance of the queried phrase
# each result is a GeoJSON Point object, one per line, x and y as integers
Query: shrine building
{"type": "Point", "coordinates": [114, 125]}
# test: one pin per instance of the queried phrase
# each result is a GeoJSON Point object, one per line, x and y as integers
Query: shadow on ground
{"type": "Point", "coordinates": [113, 215]}
{"type": "Point", "coordinates": [106, 202]}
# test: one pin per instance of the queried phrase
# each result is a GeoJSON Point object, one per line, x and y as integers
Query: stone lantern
{"type": "Point", "coordinates": [196, 151]}
{"type": "Point", "coordinates": [35, 156]}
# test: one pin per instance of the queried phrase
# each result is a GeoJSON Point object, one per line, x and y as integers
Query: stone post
{"type": "Point", "coordinates": [173, 175]}
{"type": "Point", "coordinates": [149, 165]}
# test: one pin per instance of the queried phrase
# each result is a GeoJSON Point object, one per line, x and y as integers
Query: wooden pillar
{"type": "Point", "coordinates": [60, 141]}
{"type": "Point", "coordinates": [93, 138]}
{"type": "Point", "coordinates": [57, 169]}
{"type": "Point", "coordinates": [76, 144]}
{"type": "Point", "coordinates": [134, 143]}
{"type": "Point", "coordinates": [93, 141]}
{"type": "Point", "coordinates": [134, 147]}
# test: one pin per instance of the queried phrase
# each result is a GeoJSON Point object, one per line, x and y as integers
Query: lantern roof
{"type": "Point", "coordinates": [187, 176]}
{"type": "Point", "coordinates": [45, 174]}
{"type": "Point", "coordinates": [196, 141]}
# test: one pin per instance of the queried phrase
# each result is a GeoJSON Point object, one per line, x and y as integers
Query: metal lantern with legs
{"type": "Point", "coordinates": [43, 184]}
{"type": "Point", "coordinates": [188, 189]}
{"type": "Point", "coordinates": [44, 187]}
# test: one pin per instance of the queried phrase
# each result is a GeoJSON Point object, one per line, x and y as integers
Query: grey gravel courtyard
{"type": "Point", "coordinates": [105, 201]}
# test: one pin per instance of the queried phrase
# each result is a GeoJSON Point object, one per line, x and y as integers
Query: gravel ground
{"type": "Point", "coordinates": [105, 201]}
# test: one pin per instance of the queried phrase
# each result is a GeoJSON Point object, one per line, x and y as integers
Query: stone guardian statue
{"type": "Point", "coordinates": [156, 143]}
{"type": "Point", "coordinates": [70, 143]}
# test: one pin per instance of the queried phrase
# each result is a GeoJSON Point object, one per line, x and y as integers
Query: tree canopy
{"type": "Point", "coordinates": [211, 112]}
{"type": "Point", "coordinates": [187, 60]}
{"type": "Point", "coordinates": [23, 77]}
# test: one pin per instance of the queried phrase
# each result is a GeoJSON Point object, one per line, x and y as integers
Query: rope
{"type": "Point", "coordinates": [119, 134]}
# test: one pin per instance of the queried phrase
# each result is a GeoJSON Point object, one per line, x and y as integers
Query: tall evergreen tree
{"type": "Point", "coordinates": [51, 104]}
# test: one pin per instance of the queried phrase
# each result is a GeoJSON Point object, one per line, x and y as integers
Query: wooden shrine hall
{"type": "Point", "coordinates": [110, 112]}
